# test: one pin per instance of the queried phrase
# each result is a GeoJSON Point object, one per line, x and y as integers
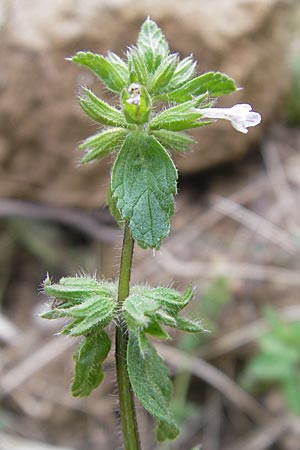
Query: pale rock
{"type": "Point", "coordinates": [41, 123]}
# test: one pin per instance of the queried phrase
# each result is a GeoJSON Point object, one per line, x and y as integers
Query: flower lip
{"type": "Point", "coordinates": [241, 116]}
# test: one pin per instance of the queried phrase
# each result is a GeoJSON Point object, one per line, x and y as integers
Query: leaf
{"type": "Point", "coordinates": [119, 64]}
{"type": "Point", "coordinates": [102, 144]}
{"type": "Point", "coordinates": [67, 293]}
{"type": "Point", "coordinates": [188, 325]}
{"type": "Point", "coordinates": [77, 288]}
{"type": "Point", "coordinates": [184, 71]}
{"type": "Point", "coordinates": [213, 83]}
{"type": "Point", "coordinates": [136, 308]}
{"type": "Point", "coordinates": [99, 110]}
{"type": "Point", "coordinates": [137, 67]}
{"type": "Point", "coordinates": [88, 363]}
{"type": "Point", "coordinates": [112, 204]}
{"type": "Point", "coordinates": [155, 330]}
{"type": "Point", "coordinates": [144, 182]}
{"type": "Point", "coordinates": [173, 140]}
{"type": "Point", "coordinates": [152, 44]}
{"type": "Point", "coordinates": [177, 118]}
{"type": "Point", "coordinates": [163, 73]}
{"type": "Point", "coordinates": [151, 384]}
{"type": "Point", "coordinates": [171, 300]}
{"type": "Point", "coordinates": [97, 311]}
{"type": "Point", "coordinates": [103, 68]}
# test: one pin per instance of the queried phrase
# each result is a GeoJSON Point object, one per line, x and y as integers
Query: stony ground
{"type": "Point", "coordinates": [236, 237]}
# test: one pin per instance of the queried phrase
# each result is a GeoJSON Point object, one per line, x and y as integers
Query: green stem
{"type": "Point", "coordinates": [127, 406]}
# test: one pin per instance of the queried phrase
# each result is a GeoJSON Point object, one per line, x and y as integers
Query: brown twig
{"type": "Point", "coordinates": [79, 220]}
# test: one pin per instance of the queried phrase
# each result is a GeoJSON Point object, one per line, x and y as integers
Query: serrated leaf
{"type": "Point", "coordinates": [144, 182]}
{"type": "Point", "coordinates": [151, 384]}
{"type": "Point", "coordinates": [103, 68]}
{"type": "Point", "coordinates": [164, 317]}
{"type": "Point", "coordinates": [173, 140]}
{"type": "Point", "coordinates": [163, 74]}
{"type": "Point", "coordinates": [137, 67]}
{"type": "Point", "coordinates": [99, 110]}
{"type": "Point", "coordinates": [155, 330]}
{"type": "Point", "coordinates": [119, 64]}
{"type": "Point", "coordinates": [171, 300]}
{"type": "Point", "coordinates": [213, 83]}
{"type": "Point", "coordinates": [77, 288]}
{"type": "Point", "coordinates": [136, 308]}
{"type": "Point", "coordinates": [112, 204]}
{"type": "Point", "coordinates": [184, 72]}
{"type": "Point", "coordinates": [88, 363]}
{"type": "Point", "coordinates": [97, 311]}
{"type": "Point", "coordinates": [102, 144]}
{"type": "Point", "coordinates": [152, 44]}
{"type": "Point", "coordinates": [188, 325]}
{"type": "Point", "coordinates": [177, 118]}
{"type": "Point", "coordinates": [65, 292]}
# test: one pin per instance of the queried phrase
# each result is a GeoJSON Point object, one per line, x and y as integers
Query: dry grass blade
{"type": "Point", "coordinates": [14, 443]}
{"type": "Point", "coordinates": [265, 438]}
{"type": "Point", "coordinates": [39, 359]}
{"type": "Point", "coordinates": [278, 179]}
{"type": "Point", "coordinates": [256, 223]}
{"type": "Point", "coordinates": [232, 270]}
{"type": "Point", "coordinates": [217, 379]}
{"type": "Point", "coordinates": [245, 335]}
{"type": "Point", "coordinates": [8, 332]}
{"type": "Point", "coordinates": [79, 220]}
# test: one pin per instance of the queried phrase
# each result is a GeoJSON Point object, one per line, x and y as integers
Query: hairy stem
{"type": "Point", "coordinates": [127, 407]}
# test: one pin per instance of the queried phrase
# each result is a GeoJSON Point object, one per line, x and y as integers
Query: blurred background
{"type": "Point", "coordinates": [235, 236]}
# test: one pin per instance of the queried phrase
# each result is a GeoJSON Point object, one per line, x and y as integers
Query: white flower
{"type": "Point", "coordinates": [241, 116]}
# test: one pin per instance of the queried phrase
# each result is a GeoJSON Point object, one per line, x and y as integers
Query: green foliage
{"type": "Point", "coordinates": [147, 310]}
{"type": "Point", "coordinates": [152, 45]}
{"type": "Point", "coordinates": [143, 184]}
{"type": "Point", "coordinates": [178, 118]}
{"type": "Point", "coordinates": [88, 363]}
{"type": "Point", "coordinates": [102, 144]}
{"type": "Point", "coordinates": [150, 76]}
{"type": "Point", "coordinates": [99, 110]}
{"type": "Point", "coordinates": [89, 303]}
{"type": "Point", "coordinates": [151, 384]}
{"type": "Point", "coordinates": [159, 96]}
{"type": "Point", "coordinates": [277, 361]}
{"type": "Point", "coordinates": [172, 140]}
{"type": "Point", "coordinates": [215, 84]}
{"type": "Point", "coordinates": [104, 68]}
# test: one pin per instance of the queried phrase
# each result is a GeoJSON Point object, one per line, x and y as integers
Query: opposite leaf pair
{"type": "Point", "coordinates": [159, 97]}
{"type": "Point", "coordinates": [92, 305]}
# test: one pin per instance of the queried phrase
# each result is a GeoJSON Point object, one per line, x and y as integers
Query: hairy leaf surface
{"type": "Point", "coordinates": [177, 118]}
{"type": "Point", "coordinates": [173, 140]}
{"type": "Point", "coordinates": [102, 144]}
{"type": "Point", "coordinates": [103, 68]}
{"type": "Point", "coordinates": [152, 44]}
{"type": "Point", "coordinates": [213, 83]}
{"type": "Point", "coordinates": [144, 183]}
{"type": "Point", "coordinates": [99, 110]}
{"type": "Point", "coordinates": [88, 363]}
{"type": "Point", "coordinates": [151, 383]}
